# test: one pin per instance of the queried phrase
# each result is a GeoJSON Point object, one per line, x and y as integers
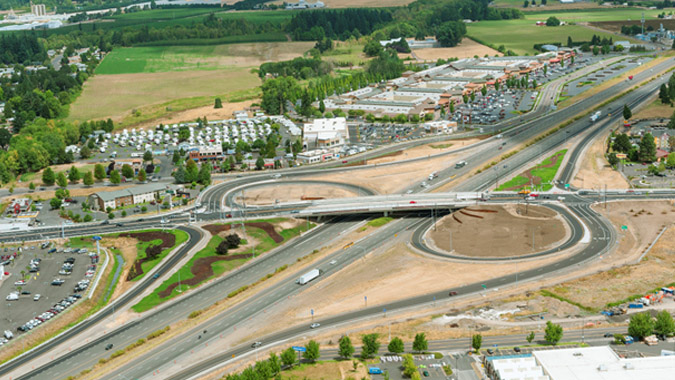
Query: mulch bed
{"type": "Point", "coordinates": [168, 241]}
{"type": "Point", "coordinates": [480, 210]}
{"type": "Point", "coordinates": [456, 219]}
{"type": "Point", "coordinates": [215, 229]}
{"type": "Point", "coordinates": [471, 215]}
{"type": "Point", "coordinates": [201, 271]}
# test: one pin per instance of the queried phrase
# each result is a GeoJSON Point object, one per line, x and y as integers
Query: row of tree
{"type": "Point", "coordinates": [667, 92]}
{"type": "Point", "coordinates": [190, 172]}
{"type": "Point", "coordinates": [299, 68]}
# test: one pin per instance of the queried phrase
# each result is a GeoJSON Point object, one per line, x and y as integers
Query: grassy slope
{"type": "Point", "coordinates": [546, 174]}
{"type": "Point", "coordinates": [265, 244]}
{"type": "Point", "coordinates": [147, 266]}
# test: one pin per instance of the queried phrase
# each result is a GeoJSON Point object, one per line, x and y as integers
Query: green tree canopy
{"type": "Point", "coordinates": [346, 349]}
{"type": "Point", "coordinates": [640, 325]}
{"type": "Point", "coordinates": [396, 346]}
{"type": "Point", "coordinates": [553, 333]}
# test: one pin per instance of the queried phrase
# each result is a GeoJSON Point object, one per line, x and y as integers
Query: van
{"type": "Point", "coordinates": [8, 334]}
{"type": "Point", "coordinates": [460, 164]}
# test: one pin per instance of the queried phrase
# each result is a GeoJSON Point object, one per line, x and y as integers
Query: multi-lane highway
{"type": "Point", "coordinates": [87, 355]}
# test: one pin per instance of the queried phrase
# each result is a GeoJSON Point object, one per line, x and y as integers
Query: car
{"type": "Point", "coordinates": [118, 224]}
{"type": "Point", "coordinates": [333, 262]}
{"type": "Point", "coordinates": [256, 344]}
{"type": "Point", "coordinates": [452, 293]}
{"type": "Point", "coordinates": [516, 349]}
{"type": "Point", "coordinates": [314, 325]}
{"type": "Point", "coordinates": [25, 292]}
{"type": "Point", "coordinates": [608, 335]}
{"type": "Point", "coordinates": [155, 276]}
{"type": "Point", "coordinates": [228, 215]}
{"type": "Point", "coordinates": [108, 346]}
{"type": "Point", "coordinates": [295, 212]}
{"type": "Point", "coordinates": [413, 202]}
{"type": "Point", "coordinates": [105, 222]}
{"type": "Point", "coordinates": [489, 351]}
{"type": "Point", "coordinates": [425, 373]}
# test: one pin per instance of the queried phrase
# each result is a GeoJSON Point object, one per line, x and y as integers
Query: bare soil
{"type": "Point", "coordinates": [506, 232]}
{"type": "Point", "coordinates": [192, 114]}
{"type": "Point", "coordinates": [466, 49]}
{"type": "Point", "coordinates": [80, 192]}
{"type": "Point", "coordinates": [595, 172]}
{"type": "Point", "coordinates": [215, 229]}
{"type": "Point", "coordinates": [655, 110]}
{"type": "Point", "coordinates": [644, 221]}
{"type": "Point", "coordinates": [394, 179]}
{"type": "Point", "coordinates": [284, 192]}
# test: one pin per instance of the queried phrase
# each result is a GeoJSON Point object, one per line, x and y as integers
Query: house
{"type": "Point", "coordinates": [125, 197]}
{"type": "Point", "coordinates": [324, 133]}
{"type": "Point", "coordinates": [303, 4]}
{"type": "Point", "coordinates": [207, 153]}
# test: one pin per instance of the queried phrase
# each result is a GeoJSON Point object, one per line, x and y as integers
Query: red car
{"type": "Point", "coordinates": [412, 202]}
{"type": "Point", "coordinates": [453, 293]}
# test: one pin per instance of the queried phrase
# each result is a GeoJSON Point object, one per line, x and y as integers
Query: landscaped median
{"type": "Point", "coordinates": [259, 236]}
{"type": "Point", "coordinates": [539, 177]}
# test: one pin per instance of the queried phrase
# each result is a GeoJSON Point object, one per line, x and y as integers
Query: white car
{"type": "Point", "coordinates": [314, 325]}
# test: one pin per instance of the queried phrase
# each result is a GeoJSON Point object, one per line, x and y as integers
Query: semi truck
{"type": "Point", "coordinates": [307, 277]}
{"type": "Point", "coordinates": [595, 117]}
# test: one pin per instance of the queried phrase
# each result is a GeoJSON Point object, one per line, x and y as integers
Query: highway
{"type": "Point", "coordinates": [85, 357]}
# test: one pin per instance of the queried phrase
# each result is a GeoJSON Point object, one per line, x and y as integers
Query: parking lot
{"type": "Point", "coordinates": [586, 82]}
{"type": "Point", "coordinates": [41, 272]}
{"type": "Point", "coordinates": [429, 367]}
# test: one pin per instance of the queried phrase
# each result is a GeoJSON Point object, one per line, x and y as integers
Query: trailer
{"type": "Point", "coordinates": [307, 277]}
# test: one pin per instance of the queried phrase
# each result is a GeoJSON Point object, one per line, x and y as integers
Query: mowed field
{"type": "Point", "coordinates": [157, 81]}
{"type": "Point", "coordinates": [521, 35]}
{"type": "Point", "coordinates": [466, 49]}
{"type": "Point", "coordinates": [332, 4]}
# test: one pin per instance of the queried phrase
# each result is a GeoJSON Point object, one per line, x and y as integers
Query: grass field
{"type": "Point", "coordinates": [147, 266]}
{"type": "Point", "coordinates": [591, 15]}
{"type": "Point", "coordinates": [545, 171]}
{"type": "Point", "coordinates": [156, 81]}
{"type": "Point", "coordinates": [521, 35]}
{"type": "Point", "coordinates": [264, 244]}
{"type": "Point", "coordinates": [654, 110]}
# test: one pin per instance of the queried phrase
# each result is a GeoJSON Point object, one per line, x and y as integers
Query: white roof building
{"type": "Point", "coordinates": [323, 133]}
{"type": "Point", "coordinates": [590, 363]}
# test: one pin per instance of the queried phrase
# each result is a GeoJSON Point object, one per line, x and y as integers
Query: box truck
{"type": "Point", "coordinates": [307, 277]}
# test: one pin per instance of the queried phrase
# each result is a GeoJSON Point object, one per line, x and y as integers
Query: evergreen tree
{"type": "Point", "coordinates": [218, 103]}
{"type": "Point", "coordinates": [204, 176]}
{"type": "Point", "coordinates": [61, 180]}
{"type": "Point", "coordinates": [647, 150]}
{"type": "Point", "coordinates": [627, 114]}
{"type": "Point", "coordinates": [74, 175]}
{"type": "Point", "coordinates": [48, 177]}
{"type": "Point", "coordinates": [88, 179]}
{"type": "Point", "coordinates": [191, 172]}
{"type": "Point", "coordinates": [346, 349]}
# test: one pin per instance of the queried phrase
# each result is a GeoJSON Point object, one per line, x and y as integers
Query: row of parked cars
{"type": "Point", "coordinates": [51, 313]}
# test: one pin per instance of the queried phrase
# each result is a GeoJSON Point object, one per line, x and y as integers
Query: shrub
{"type": "Point", "coordinates": [195, 314]}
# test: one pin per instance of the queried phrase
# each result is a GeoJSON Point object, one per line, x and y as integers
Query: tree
{"type": "Point", "coordinates": [322, 107]}
{"type": "Point", "coordinates": [259, 163]}
{"type": "Point", "coordinates": [115, 177]}
{"type": "Point", "coordinates": [218, 103]}
{"type": "Point", "coordinates": [85, 152]}
{"type": "Point", "coordinates": [88, 218]}
{"type": "Point", "coordinates": [179, 174]}
{"type": "Point", "coordinates": [664, 324]}
{"type": "Point", "coordinates": [55, 203]}
{"type": "Point", "coordinates": [476, 341]}
{"type": "Point", "coordinates": [420, 343]}
{"type": "Point", "coordinates": [552, 21]}
{"type": "Point", "coordinates": [204, 176]}
{"type": "Point", "coordinates": [99, 172]}
{"type": "Point", "coordinates": [612, 159]}
{"type": "Point", "coordinates": [647, 150]}
{"type": "Point", "coordinates": [530, 337]}
{"type": "Point", "coordinates": [233, 241]}
{"type": "Point", "coordinates": [221, 249]}
{"type": "Point", "coordinates": [74, 175]}
{"type": "Point", "coordinates": [569, 42]}
{"type": "Point", "coordinates": [176, 157]}
{"type": "Point", "coordinates": [627, 114]}
{"type": "Point", "coordinates": [31, 186]}
{"type": "Point", "coordinates": [288, 357]}
{"type": "Point", "coordinates": [396, 346]}
{"type": "Point", "coordinates": [619, 339]}
{"type": "Point", "coordinates": [311, 351]}
{"type": "Point", "coordinates": [61, 180]}
{"type": "Point", "coordinates": [48, 177]}
{"type": "Point", "coordinates": [346, 349]}
{"type": "Point", "coordinates": [526, 4]}
{"type": "Point", "coordinates": [127, 171]}
{"type": "Point", "coordinates": [640, 325]}
{"type": "Point", "coordinates": [370, 345]}
{"type": "Point", "coordinates": [191, 172]}
{"type": "Point", "coordinates": [670, 161]}
{"type": "Point", "coordinates": [450, 33]}
{"type": "Point", "coordinates": [88, 179]}
{"type": "Point", "coordinates": [483, 91]}
{"type": "Point", "coordinates": [409, 367]}
{"type": "Point", "coordinates": [147, 156]}
{"type": "Point", "coordinates": [372, 48]}
{"type": "Point", "coordinates": [553, 333]}
{"type": "Point", "coordinates": [622, 143]}
{"type": "Point", "coordinates": [275, 363]}
{"type": "Point", "coordinates": [142, 175]}
{"type": "Point", "coordinates": [664, 94]}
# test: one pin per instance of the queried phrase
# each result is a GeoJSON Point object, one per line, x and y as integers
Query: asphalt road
{"type": "Point", "coordinates": [67, 365]}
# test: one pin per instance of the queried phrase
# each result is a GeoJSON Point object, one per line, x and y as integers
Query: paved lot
{"type": "Point", "coordinates": [15, 313]}
{"type": "Point", "coordinates": [586, 82]}
{"type": "Point", "coordinates": [426, 363]}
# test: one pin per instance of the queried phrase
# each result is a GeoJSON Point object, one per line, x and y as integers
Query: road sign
{"type": "Point", "coordinates": [311, 311]}
{"type": "Point", "coordinates": [624, 228]}
{"type": "Point", "coordinates": [97, 237]}
{"type": "Point", "coordinates": [299, 349]}
{"type": "Point", "coordinates": [567, 185]}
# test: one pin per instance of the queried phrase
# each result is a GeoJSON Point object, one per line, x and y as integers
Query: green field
{"type": "Point", "coordinates": [521, 35]}
{"type": "Point", "coordinates": [265, 243]}
{"type": "Point", "coordinates": [593, 15]}
{"type": "Point", "coordinates": [546, 174]}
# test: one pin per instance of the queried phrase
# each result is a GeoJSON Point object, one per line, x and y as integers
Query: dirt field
{"type": "Point", "coordinates": [655, 110]}
{"type": "Point", "coordinates": [292, 193]}
{"type": "Point", "coordinates": [192, 114]}
{"type": "Point", "coordinates": [466, 49]}
{"type": "Point", "coordinates": [644, 220]}
{"type": "Point", "coordinates": [424, 150]}
{"type": "Point", "coordinates": [116, 96]}
{"type": "Point", "coordinates": [595, 171]}
{"type": "Point", "coordinates": [499, 231]}
{"type": "Point", "coordinates": [393, 179]}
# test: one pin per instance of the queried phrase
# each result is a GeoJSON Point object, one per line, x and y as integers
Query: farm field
{"type": "Point", "coordinates": [332, 4]}
{"type": "Point", "coordinates": [158, 81]}
{"type": "Point", "coordinates": [598, 14]}
{"type": "Point", "coordinates": [521, 35]}
{"type": "Point", "coordinates": [466, 49]}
